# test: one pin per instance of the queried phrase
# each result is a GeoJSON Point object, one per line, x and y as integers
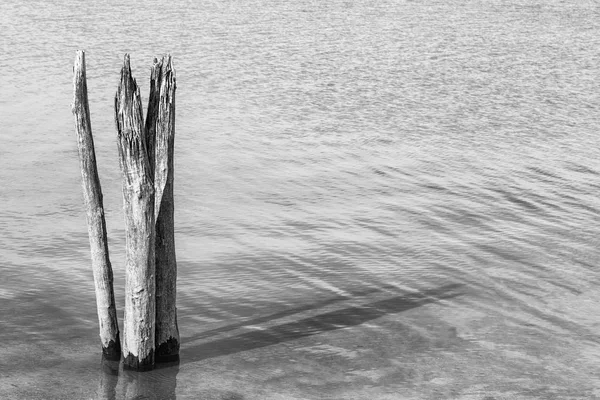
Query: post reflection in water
{"type": "Point", "coordinates": [117, 383]}
{"type": "Point", "coordinates": [109, 377]}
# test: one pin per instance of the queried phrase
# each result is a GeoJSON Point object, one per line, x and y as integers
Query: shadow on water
{"type": "Point", "coordinates": [330, 321]}
{"type": "Point", "coordinates": [288, 312]}
{"type": "Point", "coordinates": [117, 383]}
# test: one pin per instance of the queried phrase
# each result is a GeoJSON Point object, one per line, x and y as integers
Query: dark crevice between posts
{"type": "Point", "coordinates": [151, 114]}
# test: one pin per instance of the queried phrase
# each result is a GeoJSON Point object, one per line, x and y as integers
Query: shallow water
{"type": "Point", "coordinates": [392, 199]}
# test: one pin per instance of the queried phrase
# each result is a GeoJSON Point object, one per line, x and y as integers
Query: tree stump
{"type": "Point", "coordinates": [138, 204]}
{"type": "Point", "coordinates": [160, 124]}
{"type": "Point", "coordinates": [92, 194]}
{"type": "Point", "coordinates": [146, 150]}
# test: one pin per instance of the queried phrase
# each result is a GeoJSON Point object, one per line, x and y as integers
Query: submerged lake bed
{"type": "Point", "coordinates": [387, 200]}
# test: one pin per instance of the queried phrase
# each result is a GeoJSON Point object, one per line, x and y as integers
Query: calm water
{"type": "Point", "coordinates": [375, 199]}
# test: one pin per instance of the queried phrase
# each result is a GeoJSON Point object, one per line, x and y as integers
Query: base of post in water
{"type": "Point", "coordinates": [110, 367]}
{"type": "Point", "coordinates": [112, 352]}
{"type": "Point", "coordinates": [133, 363]}
{"type": "Point", "coordinates": [168, 351]}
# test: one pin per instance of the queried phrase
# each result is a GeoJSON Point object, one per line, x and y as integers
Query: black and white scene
{"type": "Point", "coordinates": [300, 200]}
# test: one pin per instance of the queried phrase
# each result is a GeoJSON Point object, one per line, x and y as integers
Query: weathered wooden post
{"type": "Point", "coordinates": [146, 161]}
{"type": "Point", "coordinates": [160, 124]}
{"type": "Point", "coordinates": [138, 204]}
{"type": "Point", "coordinates": [92, 194]}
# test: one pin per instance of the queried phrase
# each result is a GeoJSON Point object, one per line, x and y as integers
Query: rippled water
{"type": "Point", "coordinates": [387, 199]}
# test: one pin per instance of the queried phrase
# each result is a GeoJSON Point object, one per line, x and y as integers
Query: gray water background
{"type": "Point", "coordinates": [325, 150]}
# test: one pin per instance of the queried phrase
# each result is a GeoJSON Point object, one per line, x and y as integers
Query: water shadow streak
{"type": "Point", "coordinates": [287, 313]}
{"type": "Point", "coordinates": [350, 316]}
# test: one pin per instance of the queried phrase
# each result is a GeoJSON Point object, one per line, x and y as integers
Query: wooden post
{"type": "Point", "coordinates": [138, 204]}
{"type": "Point", "coordinates": [160, 120]}
{"type": "Point", "coordinates": [92, 194]}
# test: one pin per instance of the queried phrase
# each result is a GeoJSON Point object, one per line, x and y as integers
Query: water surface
{"type": "Point", "coordinates": [391, 199]}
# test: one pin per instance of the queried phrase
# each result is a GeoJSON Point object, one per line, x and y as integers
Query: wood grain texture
{"type": "Point", "coordinates": [92, 194]}
{"type": "Point", "coordinates": [138, 204]}
{"type": "Point", "coordinates": [160, 120]}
